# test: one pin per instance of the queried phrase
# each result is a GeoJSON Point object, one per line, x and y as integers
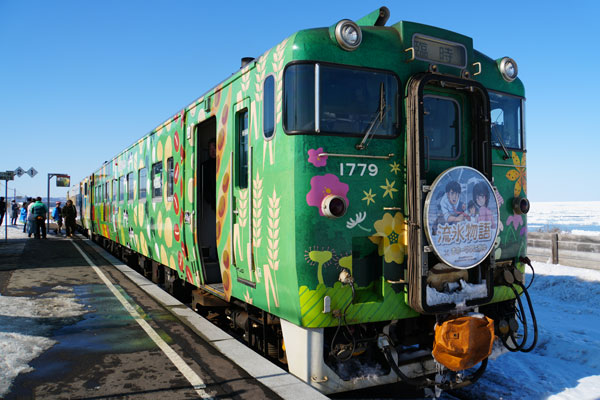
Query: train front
{"type": "Point", "coordinates": [410, 205]}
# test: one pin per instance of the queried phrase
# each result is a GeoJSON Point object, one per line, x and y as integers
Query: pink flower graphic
{"type": "Point", "coordinates": [322, 186]}
{"type": "Point", "coordinates": [516, 220]}
{"type": "Point", "coordinates": [313, 157]}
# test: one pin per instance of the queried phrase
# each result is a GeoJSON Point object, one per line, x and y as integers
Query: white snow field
{"type": "Point", "coordinates": [566, 361]}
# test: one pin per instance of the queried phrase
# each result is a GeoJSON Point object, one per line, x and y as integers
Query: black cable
{"type": "Point", "coordinates": [527, 261]}
{"type": "Point", "coordinates": [411, 381]}
{"type": "Point", "coordinates": [517, 347]}
{"type": "Point", "coordinates": [523, 318]}
{"type": "Point", "coordinates": [339, 317]}
{"type": "Point", "coordinates": [533, 319]}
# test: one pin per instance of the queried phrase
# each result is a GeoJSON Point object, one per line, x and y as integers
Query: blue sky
{"type": "Point", "coordinates": [81, 80]}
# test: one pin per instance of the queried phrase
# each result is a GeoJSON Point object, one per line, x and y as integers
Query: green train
{"type": "Point", "coordinates": [352, 202]}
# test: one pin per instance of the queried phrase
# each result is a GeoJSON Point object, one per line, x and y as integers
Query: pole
{"type": "Point", "coordinates": [6, 207]}
{"type": "Point", "coordinates": [48, 200]}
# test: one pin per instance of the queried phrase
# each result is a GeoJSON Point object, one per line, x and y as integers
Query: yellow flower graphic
{"type": "Point", "coordinates": [389, 188]}
{"type": "Point", "coordinates": [395, 167]}
{"type": "Point", "coordinates": [519, 174]}
{"type": "Point", "coordinates": [369, 197]}
{"type": "Point", "coordinates": [391, 237]}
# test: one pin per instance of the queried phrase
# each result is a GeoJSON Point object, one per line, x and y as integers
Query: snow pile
{"type": "Point", "coordinates": [458, 293]}
{"type": "Point", "coordinates": [565, 363]}
{"type": "Point", "coordinates": [25, 326]}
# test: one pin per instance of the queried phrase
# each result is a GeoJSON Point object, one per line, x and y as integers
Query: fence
{"type": "Point", "coordinates": [565, 249]}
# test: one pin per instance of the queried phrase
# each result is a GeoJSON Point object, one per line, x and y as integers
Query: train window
{"type": "Point", "coordinates": [242, 130]}
{"type": "Point", "coordinates": [106, 193]}
{"type": "Point", "coordinates": [143, 183]}
{"type": "Point", "coordinates": [299, 103]}
{"type": "Point", "coordinates": [441, 127]}
{"type": "Point", "coordinates": [348, 100]}
{"type": "Point", "coordinates": [122, 188]}
{"type": "Point", "coordinates": [157, 180]}
{"type": "Point", "coordinates": [507, 120]}
{"type": "Point", "coordinates": [85, 188]}
{"type": "Point", "coordinates": [170, 178]}
{"type": "Point", "coordinates": [114, 190]}
{"type": "Point", "coordinates": [130, 186]}
{"type": "Point", "coordinates": [269, 107]}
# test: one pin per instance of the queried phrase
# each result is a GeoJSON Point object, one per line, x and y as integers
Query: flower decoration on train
{"type": "Point", "coordinates": [391, 237]}
{"type": "Point", "coordinates": [519, 174]}
{"type": "Point", "coordinates": [320, 258]}
{"type": "Point", "coordinates": [315, 159]}
{"type": "Point", "coordinates": [516, 220]}
{"type": "Point", "coordinates": [389, 188]}
{"type": "Point", "coordinates": [369, 197]}
{"type": "Point", "coordinates": [322, 186]}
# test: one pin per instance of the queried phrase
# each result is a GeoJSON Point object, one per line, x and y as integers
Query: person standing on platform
{"type": "Point", "coordinates": [57, 216]}
{"type": "Point", "coordinates": [15, 212]}
{"type": "Point", "coordinates": [69, 212]}
{"type": "Point", "coordinates": [39, 211]}
{"type": "Point", "coordinates": [23, 217]}
{"type": "Point", "coordinates": [2, 209]}
{"type": "Point", "coordinates": [30, 218]}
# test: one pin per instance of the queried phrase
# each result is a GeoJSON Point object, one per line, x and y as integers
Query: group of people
{"type": "Point", "coordinates": [33, 214]}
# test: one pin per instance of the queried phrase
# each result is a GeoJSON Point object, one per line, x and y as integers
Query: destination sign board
{"type": "Point", "coordinates": [439, 51]}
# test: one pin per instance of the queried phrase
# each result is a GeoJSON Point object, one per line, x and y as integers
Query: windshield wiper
{"type": "Point", "coordinates": [506, 156]}
{"type": "Point", "coordinates": [377, 120]}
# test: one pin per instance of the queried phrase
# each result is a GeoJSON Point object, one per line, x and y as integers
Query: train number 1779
{"type": "Point", "coordinates": [350, 169]}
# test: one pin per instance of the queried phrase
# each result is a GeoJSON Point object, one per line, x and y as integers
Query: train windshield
{"type": "Point", "coordinates": [345, 101]}
{"type": "Point", "coordinates": [507, 120]}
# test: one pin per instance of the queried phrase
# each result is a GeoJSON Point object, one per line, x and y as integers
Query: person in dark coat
{"type": "Point", "coordinates": [15, 213]}
{"type": "Point", "coordinates": [2, 209]}
{"type": "Point", "coordinates": [69, 213]}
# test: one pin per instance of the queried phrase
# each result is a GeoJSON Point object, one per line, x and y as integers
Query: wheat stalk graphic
{"type": "Point", "coordinates": [273, 251]}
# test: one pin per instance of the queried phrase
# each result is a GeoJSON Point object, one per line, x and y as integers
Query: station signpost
{"type": "Point", "coordinates": [62, 180]}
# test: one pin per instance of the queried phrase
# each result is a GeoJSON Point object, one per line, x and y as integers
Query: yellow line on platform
{"type": "Point", "coordinates": [197, 382]}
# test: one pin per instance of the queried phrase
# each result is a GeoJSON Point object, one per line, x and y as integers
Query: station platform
{"type": "Point", "coordinates": [77, 323]}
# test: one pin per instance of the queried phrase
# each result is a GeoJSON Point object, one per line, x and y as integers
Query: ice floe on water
{"type": "Point", "coordinates": [582, 217]}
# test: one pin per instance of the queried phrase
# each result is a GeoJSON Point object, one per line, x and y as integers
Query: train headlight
{"type": "Point", "coordinates": [348, 35]}
{"type": "Point", "coordinates": [520, 205]}
{"type": "Point", "coordinates": [333, 206]}
{"type": "Point", "coordinates": [508, 69]}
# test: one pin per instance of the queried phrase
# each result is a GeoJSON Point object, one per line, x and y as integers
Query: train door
{"type": "Point", "coordinates": [242, 194]}
{"type": "Point", "coordinates": [206, 197]}
{"type": "Point", "coordinates": [447, 126]}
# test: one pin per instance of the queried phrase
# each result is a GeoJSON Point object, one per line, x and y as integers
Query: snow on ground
{"type": "Point", "coordinates": [26, 325]}
{"type": "Point", "coordinates": [566, 361]}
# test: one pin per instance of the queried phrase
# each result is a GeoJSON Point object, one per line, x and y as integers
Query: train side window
{"type": "Point", "coordinates": [106, 193]}
{"type": "Point", "coordinates": [143, 183]}
{"type": "Point", "coordinates": [85, 188]}
{"type": "Point", "coordinates": [130, 187]}
{"type": "Point", "coordinates": [114, 190]}
{"type": "Point", "coordinates": [157, 180]}
{"type": "Point", "coordinates": [170, 178]}
{"type": "Point", "coordinates": [441, 127]}
{"type": "Point", "coordinates": [269, 107]}
{"type": "Point", "coordinates": [242, 131]}
{"type": "Point", "coordinates": [122, 188]}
